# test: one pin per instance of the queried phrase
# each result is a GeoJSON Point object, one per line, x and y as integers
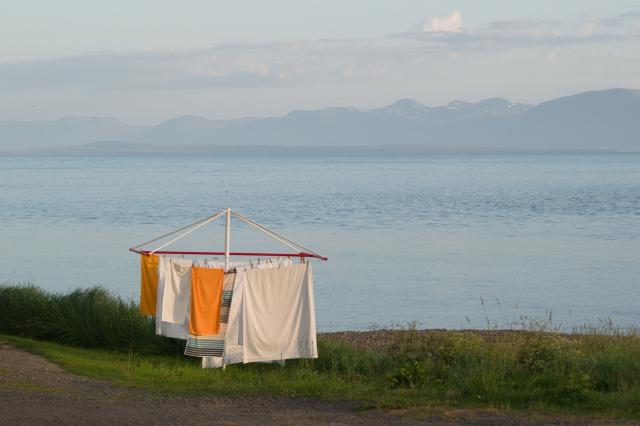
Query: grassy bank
{"type": "Point", "coordinates": [596, 373]}
{"type": "Point", "coordinates": [88, 318]}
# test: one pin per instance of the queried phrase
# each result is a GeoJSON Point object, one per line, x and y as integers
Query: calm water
{"type": "Point", "coordinates": [408, 238]}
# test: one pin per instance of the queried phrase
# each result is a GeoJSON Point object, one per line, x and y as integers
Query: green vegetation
{"type": "Point", "coordinates": [596, 372]}
{"type": "Point", "coordinates": [89, 318]}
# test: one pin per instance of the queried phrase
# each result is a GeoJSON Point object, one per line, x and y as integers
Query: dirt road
{"type": "Point", "coordinates": [35, 391]}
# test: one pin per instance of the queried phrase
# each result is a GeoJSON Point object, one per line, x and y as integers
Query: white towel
{"type": "Point", "coordinates": [165, 328]}
{"type": "Point", "coordinates": [278, 314]}
{"type": "Point", "coordinates": [174, 290]}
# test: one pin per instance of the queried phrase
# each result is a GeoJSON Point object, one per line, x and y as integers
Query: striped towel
{"type": "Point", "coordinates": [213, 346]}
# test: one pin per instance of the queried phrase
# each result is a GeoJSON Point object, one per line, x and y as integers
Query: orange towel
{"type": "Point", "coordinates": [148, 284]}
{"type": "Point", "coordinates": [206, 295]}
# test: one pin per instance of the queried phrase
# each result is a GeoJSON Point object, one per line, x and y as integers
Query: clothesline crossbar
{"type": "Point", "coordinates": [275, 235]}
{"type": "Point", "coordinates": [221, 253]}
{"type": "Point", "coordinates": [302, 251]}
{"type": "Point", "coordinates": [178, 230]}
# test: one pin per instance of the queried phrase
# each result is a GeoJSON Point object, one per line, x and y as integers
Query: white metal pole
{"type": "Point", "coordinates": [227, 238]}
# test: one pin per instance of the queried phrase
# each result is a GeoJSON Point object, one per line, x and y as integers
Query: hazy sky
{"type": "Point", "coordinates": [145, 61]}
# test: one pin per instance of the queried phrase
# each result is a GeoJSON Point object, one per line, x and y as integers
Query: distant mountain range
{"type": "Point", "coordinates": [607, 120]}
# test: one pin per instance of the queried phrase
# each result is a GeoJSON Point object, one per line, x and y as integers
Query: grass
{"type": "Point", "coordinates": [596, 372]}
{"type": "Point", "coordinates": [88, 318]}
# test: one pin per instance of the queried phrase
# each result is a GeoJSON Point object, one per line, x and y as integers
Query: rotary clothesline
{"type": "Point", "coordinates": [302, 252]}
{"type": "Point", "coordinates": [229, 313]}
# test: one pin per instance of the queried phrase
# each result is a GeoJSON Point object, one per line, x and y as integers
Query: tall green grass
{"type": "Point", "coordinates": [593, 370]}
{"type": "Point", "coordinates": [87, 318]}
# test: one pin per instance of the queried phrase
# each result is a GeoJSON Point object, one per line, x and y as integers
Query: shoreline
{"type": "Point", "coordinates": [384, 338]}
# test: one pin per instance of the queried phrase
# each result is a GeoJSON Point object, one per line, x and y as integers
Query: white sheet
{"type": "Point", "coordinates": [233, 350]}
{"type": "Point", "coordinates": [278, 314]}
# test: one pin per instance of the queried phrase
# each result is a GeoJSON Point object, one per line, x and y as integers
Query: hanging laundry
{"type": "Point", "coordinates": [270, 263]}
{"type": "Point", "coordinates": [148, 284]}
{"type": "Point", "coordinates": [206, 292]}
{"type": "Point", "coordinates": [217, 264]}
{"type": "Point", "coordinates": [176, 290]}
{"type": "Point", "coordinates": [233, 351]}
{"type": "Point", "coordinates": [277, 316]}
{"type": "Point", "coordinates": [263, 313]}
{"type": "Point", "coordinates": [211, 348]}
{"type": "Point", "coordinates": [163, 328]}
{"type": "Point", "coordinates": [181, 330]}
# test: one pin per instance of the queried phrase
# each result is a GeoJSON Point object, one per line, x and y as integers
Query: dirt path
{"type": "Point", "coordinates": [35, 391]}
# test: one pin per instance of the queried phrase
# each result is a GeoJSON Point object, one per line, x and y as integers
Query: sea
{"type": "Point", "coordinates": [439, 241]}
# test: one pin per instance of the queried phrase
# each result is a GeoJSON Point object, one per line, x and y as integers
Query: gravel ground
{"type": "Point", "coordinates": [382, 339]}
{"type": "Point", "coordinates": [35, 391]}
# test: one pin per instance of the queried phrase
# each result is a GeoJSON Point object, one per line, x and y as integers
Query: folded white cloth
{"type": "Point", "coordinates": [270, 263]}
{"type": "Point", "coordinates": [217, 264]}
{"type": "Point", "coordinates": [211, 362]}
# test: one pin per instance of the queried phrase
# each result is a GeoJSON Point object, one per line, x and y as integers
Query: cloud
{"type": "Point", "coordinates": [624, 23]}
{"type": "Point", "coordinates": [444, 24]}
{"type": "Point", "coordinates": [623, 19]}
{"type": "Point", "coordinates": [140, 71]}
{"type": "Point", "coordinates": [552, 56]}
{"type": "Point", "coordinates": [447, 32]}
{"type": "Point", "coordinates": [520, 25]}
{"type": "Point", "coordinates": [380, 62]}
{"type": "Point", "coordinates": [230, 65]}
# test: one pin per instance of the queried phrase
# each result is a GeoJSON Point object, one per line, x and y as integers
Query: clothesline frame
{"type": "Point", "coordinates": [221, 253]}
{"type": "Point", "coordinates": [302, 252]}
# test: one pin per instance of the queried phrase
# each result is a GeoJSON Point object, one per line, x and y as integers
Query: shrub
{"type": "Point", "coordinates": [411, 375]}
